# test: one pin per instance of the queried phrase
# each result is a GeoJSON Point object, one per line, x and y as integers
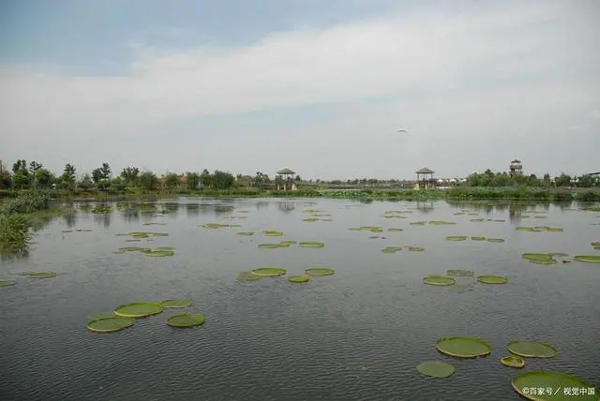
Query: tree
{"type": "Point", "coordinates": [171, 180]}
{"type": "Point", "coordinates": [585, 181]}
{"type": "Point", "coordinates": [105, 169]}
{"type": "Point", "coordinates": [69, 174]}
{"type": "Point", "coordinates": [192, 180]}
{"type": "Point", "coordinates": [563, 180]}
{"type": "Point", "coordinates": [5, 179]}
{"type": "Point", "coordinates": [206, 179]}
{"type": "Point", "coordinates": [86, 182]}
{"type": "Point", "coordinates": [547, 181]}
{"type": "Point", "coordinates": [117, 183]}
{"type": "Point", "coordinates": [222, 180]}
{"type": "Point", "coordinates": [97, 176]}
{"type": "Point", "coordinates": [298, 179]}
{"type": "Point", "coordinates": [34, 167]}
{"type": "Point", "coordinates": [148, 180]}
{"type": "Point", "coordinates": [20, 166]}
{"type": "Point", "coordinates": [21, 177]}
{"type": "Point", "coordinates": [43, 177]}
{"type": "Point", "coordinates": [130, 175]}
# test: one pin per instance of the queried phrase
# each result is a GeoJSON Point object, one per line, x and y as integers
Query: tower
{"type": "Point", "coordinates": [516, 168]}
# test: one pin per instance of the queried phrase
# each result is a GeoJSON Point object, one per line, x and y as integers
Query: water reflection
{"type": "Point", "coordinates": [104, 219]}
{"type": "Point", "coordinates": [70, 218]}
{"type": "Point", "coordinates": [286, 207]}
{"type": "Point", "coordinates": [193, 209]}
{"type": "Point", "coordinates": [425, 206]}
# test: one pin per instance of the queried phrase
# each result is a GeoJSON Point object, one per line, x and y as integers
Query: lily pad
{"type": "Point", "coordinates": [288, 243]}
{"type": "Point", "coordinates": [374, 229]}
{"type": "Point", "coordinates": [460, 273]}
{"type": "Point", "coordinates": [441, 222]}
{"type": "Point", "coordinates": [273, 233]}
{"type": "Point", "coordinates": [99, 316]}
{"type": "Point", "coordinates": [7, 283]}
{"type": "Point", "coordinates": [310, 219]}
{"type": "Point", "coordinates": [463, 347]}
{"type": "Point", "coordinates": [110, 324]}
{"type": "Point", "coordinates": [439, 280]}
{"type": "Point", "coordinates": [399, 229]}
{"type": "Point", "coordinates": [391, 249]}
{"type": "Point", "coordinates": [544, 262]}
{"type": "Point", "coordinates": [246, 233]}
{"type": "Point", "coordinates": [299, 279]}
{"type": "Point", "coordinates": [532, 349]}
{"type": "Point", "coordinates": [415, 248]}
{"type": "Point", "coordinates": [158, 253]}
{"type": "Point", "coordinates": [556, 381]}
{"type": "Point", "coordinates": [477, 220]}
{"type": "Point", "coordinates": [554, 229]}
{"type": "Point", "coordinates": [42, 274]}
{"type": "Point", "coordinates": [588, 258]}
{"type": "Point", "coordinates": [543, 257]}
{"type": "Point", "coordinates": [319, 271]}
{"type": "Point", "coordinates": [176, 303]}
{"type": "Point", "coordinates": [558, 254]}
{"type": "Point", "coordinates": [595, 244]}
{"type": "Point", "coordinates": [269, 271]}
{"type": "Point", "coordinates": [436, 369]}
{"type": "Point", "coordinates": [513, 361]}
{"type": "Point", "coordinates": [492, 279]}
{"type": "Point", "coordinates": [312, 244]}
{"type": "Point", "coordinates": [243, 277]}
{"type": "Point", "coordinates": [186, 320]}
{"type": "Point", "coordinates": [138, 309]}
{"type": "Point", "coordinates": [478, 238]}
{"type": "Point", "coordinates": [456, 238]}
{"type": "Point", "coordinates": [529, 229]}
{"type": "Point", "coordinates": [268, 246]}
{"type": "Point", "coordinates": [495, 240]}
{"type": "Point", "coordinates": [417, 223]}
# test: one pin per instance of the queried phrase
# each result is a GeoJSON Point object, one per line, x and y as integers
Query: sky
{"type": "Point", "coordinates": [320, 87]}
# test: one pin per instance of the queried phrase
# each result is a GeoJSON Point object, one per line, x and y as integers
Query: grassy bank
{"type": "Point", "coordinates": [17, 218]}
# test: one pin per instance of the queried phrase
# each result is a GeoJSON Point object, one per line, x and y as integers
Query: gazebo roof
{"type": "Point", "coordinates": [286, 171]}
{"type": "Point", "coordinates": [425, 170]}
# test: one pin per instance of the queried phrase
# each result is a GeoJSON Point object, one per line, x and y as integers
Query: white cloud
{"type": "Point", "coordinates": [427, 64]}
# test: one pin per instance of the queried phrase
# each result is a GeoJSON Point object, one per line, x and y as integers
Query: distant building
{"type": "Point", "coordinates": [516, 168]}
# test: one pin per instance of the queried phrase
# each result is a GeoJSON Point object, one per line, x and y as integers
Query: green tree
{"type": "Point", "coordinates": [222, 180]}
{"type": "Point", "coordinates": [206, 179]}
{"type": "Point", "coordinates": [34, 167]}
{"type": "Point", "coordinates": [20, 166]}
{"type": "Point", "coordinates": [21, 177]}
{"type": "Point", "coordinates": [564, 180]}
{"type": "Point", "coordinates": [192, 180]}
{"type": "Point", "coordinates": [69, 174]}
{"type": "Point", "coordinates": [118, 183]}
{"type": "Point", "coordinates": [171, 180]}
{"type": "Point", "coordinates": [86, 182]}
{"type": "Point", "coordinates": [97, 175]}
{"type": "Point", "coordinates": [43, 178]}
{"type": "Point", "coordinates": [148, 180]}
{"type": "Point", "coordinates": [130, 175]}
{"type": "Point", "coordinates": [547, 181]}
{"type": "Point", "coordinates": [5, 179]}
{"type": "Point", "coordinates": [585, 181]}
{"type": "Point", "coordinates": [105, 169]}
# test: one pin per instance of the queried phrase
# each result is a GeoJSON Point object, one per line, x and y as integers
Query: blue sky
{"type": "Point", "coordinates": [320, 87]}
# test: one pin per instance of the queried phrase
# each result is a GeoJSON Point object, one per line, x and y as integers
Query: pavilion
{"type": "Point", "coordinates": [284, 180]}
{"type": "Point", "coordinates": [425, 179]}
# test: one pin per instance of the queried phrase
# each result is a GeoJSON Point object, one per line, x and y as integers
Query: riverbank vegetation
{"type": "Point", "coordinates": [16, 220]}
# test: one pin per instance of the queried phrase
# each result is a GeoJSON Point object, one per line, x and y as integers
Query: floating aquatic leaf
{"type": "Point", "coordinates": [110, 324]}
{"type": "Point", "coordinates": [463, 347]}
{"type": "Point", "coordinates": [499, 220]}
{"type": "Point", "coordinates": [99, 316]}
{"type": "Point", "coordinates": [588, 258]}
{"type": "Point", "coordinates": [246, 233]}
{"type": "Point", "coordinates": [138, 309]}
{"type": "Point", "coordinates": [371, 228]}
{"type": "Point", "coordinates": [492, 279]}
{"type": "Point", "coordinates": [415, 248]}
{"type": "Point", "coordinates": [530, 229]}
{"type": "Point", "coordinates": [7, 283]}
{"type": "Point", "coordinates": [214, 225]}
{"type": "Point", "coordinates": [436, 369]}
{"type": "Point", "coordinates": [165, 248]}
{"type": "Point", "coordinates": [556, 381]}
{"type": "Point", "coordinates": [299, 279]}
{"type": "Point", "coordinates": [186, 320]}
{"type": "Point", "coordinates": [513, 361]}
{"type": "Point", "coordinates": [310, 219]}
{"type": "Point", "coordinates": [417, 223]}
{"type": "Point", "coordinates": [273, 233]}
{"type": "Point", "coordinates": [395, 229]}
{"type": "Point", "coordinates": [391, 249]}
{"type": "Point", "coordinates": [157, 253]}
{"type": "Point", "coordinates": [459, 214]}
{"type": "Point", "coordinates": [246, 276]}
{"type": "Point", "coordinates": [596, 244]}
{"type": "Point", "coordinates": [478, 238]}
{"type": "Point", "coordinates": [312, 244]}
{"type": "Point", "coordinates": [283, 244]}
{"type": "Point", "coordinates": [288, 242]}
{"type": "Point", "coordinates": [460, 273]}
{"type": "Point", "coordinates": [319, 271]}
{"type": "Point", "coordinates": [132, 240]}
{"type": "Point", "coordinates": [543, 257]}
{"type": "Point", "coordinates": [532, 349]}
{"type": "Point", "coordinates": [473, 214]}
{"type": "Point", "coordinates": [439, 280]}
{"type": "Point", "coordinates": [441, 222]}
{"type": "Point", "coordinates": [456, 238]}
{"type": "Point", "coordinates": [42, 274]}
{"type": "Point", "coordinates": [540, 217]}
{"type": "Point", "coordinates": [559, 254]}
{"type": "Point", "coordinates": [496, 240]}
{"type": "Point", "coordinates": [269, 271]}
{"type": "Point", "coordinates": [176, 303]}
{"type": "Point", "coordinates": [476, 220]}
{"type": "Point", "coordinates": [269, 246]}
{"type": "Point", "coordinates": [374, 236]}
{"type": "Point", "coordinates": [554, 229]}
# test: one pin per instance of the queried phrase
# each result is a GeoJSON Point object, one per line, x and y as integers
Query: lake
{"type": "Point", "coordinates": [355, 335]}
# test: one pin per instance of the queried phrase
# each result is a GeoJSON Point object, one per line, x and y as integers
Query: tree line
{"type": "Point", "coordinates": [503, 179]}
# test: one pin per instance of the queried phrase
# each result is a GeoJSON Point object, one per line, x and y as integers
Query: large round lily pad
{"type": "Point", "coordinates": [157, 253]}
{"type": "Point", "coordinates": [7, 283]}
{"type": "Point", "coordinates": [436, 369]}
{"type": "Point", "coordinates": [492, 279]}
{"type": "Point", "coordinates": [496, 240]}
{"type": "Point", "coordinates": [463, 347]}
{"type": "Point", "coordinates": [415, 248]}
{"type": "Point", "coordinates": [273, 233]}
{"type": "Point", "coordinates": [400, 229]}
{"type": "Point", "coordinates": [441, 222]}
{"type": "Point", "coordinates": [299, 279]}
{"type": "Point", "coordinates": [243, 277]}
{"type": "Point", "coordinates": [138, 309]}
{"type": "Point", "coordinates": [456, 238]}
{"type": "Point", "coordinates": [537, 256]}
{"type": "Point", "coordinates": [391, 249]}
{"type": "Point", "coordinates": [312, 244]}
{"type": "Point", "coordinates": [269, 271]}
{"type": "Point", "coordinates": [528, 385]}
{"type": "Point", "coordinates": [439, 280]}
{"type": "Point", "coordinates": [110, 324]}
{"type": "Point", "coordinates": [186, 320]}
{"type": "Point", "coordinates": [42, 274]}
{"type": "Point", "coordinates": [176, 303]}
{"type": "Point", "coordinates": [478, 238]}
{"type": "Point", "coordinates": [532, 349]}
{"type": "Point", "coordinates": [588, 258]}
{"type": "Point", "coordinates": [460, 273]}
{"type": "Point", "coordinates": [513, 361]}
{"type": "Point", "coordinates": [269, 246]}
{"type": "Point", "coordinates": [319, 271]}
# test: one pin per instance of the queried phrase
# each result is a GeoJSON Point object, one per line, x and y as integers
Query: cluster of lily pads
{"type": "Point", "coordinates": [287, 244]}
{"type": "Point", "coordinates": [539, 229]}
{"type": "Point", "coordinates": [394, 249]}
{"type": "Point", "coordinates": [36, 275]}
{"type": "Point", "coordinates": [550, 258]}
{"type": "Point", "coordinates": [262, 272]}
{"type": "Point", "coordinates": [217, 225]}
{"type": "Point", "coordinates": [160, 251]}
{"type": "Point", "coordinates": [123, 316]}
{"type": "Point", "coordinates": [464, 238]}
{"type": "Point", "coordinates": [449, 278]}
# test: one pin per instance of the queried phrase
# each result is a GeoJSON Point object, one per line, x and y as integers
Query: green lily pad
{"type": "Point", "coordinates": [243, 277]}
{"type": "Point", "coordinates": [176, 303]}
{"type": "Point", "coordinates": [463, 347]}
{"type": "Point", "coordinates": [110, 324]}
{"type": "Point", "coordinates": [319, 271]}
{"type": "Point", "coordinates": [398, 230]}
{"type": "Point", "coordinates": [543, 257]}
{"type": "Point", "coordinates": [588, 258]}
{"type": "Point", "coordinates": [436, 369]}
{"type": "Point", "coordinates": [212, 226]}
{"type": "Point", "coordinates": [269, 271]}
{"type": "Point", "coordinates": [596, 244]}
{"type": "Point", "coordinates": [495, 240]}
{"type": "Point", "coordinates": [529, 229]}
{"type": "Point", "coordinates": [478, 238]}
{"type": "Point", "coordinates": [477, 220]}
{"type": "Point", "coordinates": [138, 309]}
{"type": "Point", "coordinates": [7, 283]}
{"type": "Point", "coordinates": [439, 280]}
{"type": "Point", "coordinates": [417, 223]}
{"type": "Point", "coordinates": [133, 240]}
{"type": "Point", "coordinates": [460, 273]}
{"type": "Point", "coordinates": [544, 262]}
{"type": "Point", "coordinates": [499, 220]}
{"type": "Point", "coordinates": [310, 219]}
{"type": "Point", "coordinates": [165, 248]}
{"type": "Point", "coordinates": [288, 243]}
{"type": "Point", "coordinates": [513, 361]}
{"type": "Point", "coordinates": [541, 217]}
{"type": "Point", "coordinates": [391, 249]}
{"type": "Point", "coordinates": [374, 229]}
{"type": "Point", "coordinates": [273, 233]}
{"type": "Point", "coordinates": [310, 244]}
{"type": "Point", "coordinates": [529, 385]}
{"type": "Point", "coordinates": [532, 349]}
{"type": "Point", "coordinates": [186, 320]}
{"type": "Point", "coordinates": [157, 253]}
{"type": "Point", "coordinates": [42, 274]}
{"type": "Point", "coordinates": [283, 245]}
{"type": "Point", "coordinates": [456, 238]}
{"type": "Point", "coordinates": [441, 222]}
{"type": "Point", "coordinates": [558, 254]}
{"type": "Point", "coordinates": [99, 316]}
{"type": "Point", "coordinates": [268, 246]}
{"type": "Point", "coordinates": [554, 229]}
{"type": "Point", "coordinates": [415, 248]}
{"type": "Point", "coordinates": [492, 279]}
{"type": "Point", "coordinates": [459, 214]}
{"type": "Point", "coordinates": [299, 279]}
{"type": "Point", "coordinates": [246, 233]}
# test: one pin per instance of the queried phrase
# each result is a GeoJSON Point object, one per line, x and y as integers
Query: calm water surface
{"type": "Point", "coordinates": [356, 335]}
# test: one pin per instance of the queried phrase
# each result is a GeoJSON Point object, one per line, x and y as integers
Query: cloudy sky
{"type": "Point", "coordinates": [321, 87]}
